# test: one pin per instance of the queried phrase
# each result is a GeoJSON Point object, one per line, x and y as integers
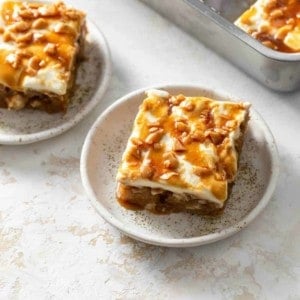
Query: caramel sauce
{"type": "Point", "coordinates": [65, 43]}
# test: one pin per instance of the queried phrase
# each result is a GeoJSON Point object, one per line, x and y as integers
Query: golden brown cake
{"type": "Point", "coordinates": [182, 154]}
{"type": "Point", "coordinates": [39, 47]}
{"type": "Point", "coordinates": [276, 23]}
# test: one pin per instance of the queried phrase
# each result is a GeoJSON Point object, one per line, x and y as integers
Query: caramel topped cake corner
{"type": "Point", "coordinates": [275, 23]}
{"type": "Point", "coordinates": [184, 149]}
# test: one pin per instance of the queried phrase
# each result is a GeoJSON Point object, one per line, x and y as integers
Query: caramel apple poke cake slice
{"type": "Point", "coordinates": [275, 23]}
{"type": "Point", "coordinates": [182, 154]}
{"type": "Point", "coordinates": [40, 44]}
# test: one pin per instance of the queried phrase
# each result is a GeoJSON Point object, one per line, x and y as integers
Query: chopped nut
{"type": "Point", "coordinates": [177, 145]}
{"type": "Point", "coordinates": [16, 102]}
{"type": "Point", "coordinates": [168, 175]}
{"type": "Point", "coordinates": [180, 97]}
{"type": "Point", "coordinates": [154, 137]}
{"type": "Point", "coordinates": [30, 71]}
{"type": "Point", "coordinates": [154, 124]}
{"type": "Point", "coordinates": [202, 171]}
{"type": "Point", "coordinates": [188, 106]}
{"type": "Point", "coordinates": [136, 141]}
{"type": "Point", "coordinates": [48, 11]}
{"type": "Point", "coordinates": [40, 24]}
{"type": "Point", "coordinates": [14, 60]}
{"type": "Point", "coordinates": [8, 36]}
{"type": "Point", "coordinates": [21, 26]}
{"type": "Point", "coordinates": [42, 64]}
{"type": "Point", "coordinates": [220, 130]}
{"type": "Point", "coordinates": [215, 137]}
{"type": "Point", "coordinates": [198, 136]}
{"type": "Point", "coordinates": [71, 14]}
{"type": "Point", "coordinates": [269, 44]}
{"type": "Point", "coordinates": [25, 38]}
{"type": "Point", "coordinates": [39, 37]}
{"type": "Point", "coordinates": [276, 13]}
{"type": "Point", "coordinates": [290, 21]}
{"type": "Point", "coordinates": [63, 28]}
{"type": "Point", "coordinates": [153, 129]}
{"type": "Point", "coordinates": [176, 100]}
{"type": "Point", "coordinates": [50, 49]}
{"type": "Point", "coordinates": [157, 146]}
{"type": "Point", "coordinates": [283, 31]}
{"type": "Point", "coordinates": [171, 161]}
{"type": "Point", "coordinates": [28, 13]}
{"type": "Point", "coordinates": [146, 169]}
{"type": "Point", "coordinates": [181, 126]}
{"type": "Point", "coordinates": [34, 63]}
{"type": "Point", "coordinates": [186, 139]}
{"type": "Point", "coordinates": [24, 53]}
{"type": "Point", "coordinates": [135, 152]}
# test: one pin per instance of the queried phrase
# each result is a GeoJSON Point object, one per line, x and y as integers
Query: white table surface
{"type": "Point", "coordinates": [53, 244]}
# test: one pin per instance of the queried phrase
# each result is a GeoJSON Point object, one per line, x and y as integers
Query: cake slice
{"type": "Point", "coordinates": [275, 23]}
{"type": "Point", "coordinates": [182, 154]}
{"type": "Point", "coordinates": [39, 46]}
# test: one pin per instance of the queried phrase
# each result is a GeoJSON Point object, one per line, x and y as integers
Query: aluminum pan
{"type": "Point", "coordinates": [278, 71]}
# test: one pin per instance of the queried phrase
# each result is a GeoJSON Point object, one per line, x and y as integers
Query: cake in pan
{"type": "Point", "coordinates": [39, 48]}
{"type": "Point", "coordinates": [276, 23]}
{"type": "Point", "coordinates": [182, 154]}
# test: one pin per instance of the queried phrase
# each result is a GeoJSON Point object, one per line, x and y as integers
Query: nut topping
{"type": "Point", "coordinates": [63, 28]}
{"type": "Point", "coordinates": [136, 141]}
{"type": "Point", "coordinates": [157, 146]}
{"type": "Point", "coordinates": [39, 24]}
{"type": "Point", "coordinates": [146, 169]}
{"type": "Point", "coordinates": [154, 137]}
{"type": "Point", "coordinates": [198, 136]}
{"type": "Point", "coordinates": [168, 175]}
{"type": "Point", "coordinates": [8, 36]}
{"type": "Point", "coordinates": [50, 49]}
{"type": "Point", "coordinates": [153, 129]}
{"type": "Point", "coordinates": [215, 137]}
{"type": "Point", "coordinates": [34, 63]}
{"type": "Point", "coordinates": [21, 26]}
{"type": "Point", "coordinates": [135, 152]}
{"type": "Point", "coordinates": [28, 13]}
{"type": "Point", "coordinates": [188, 106]}
{"type": "Point", "coordinates": [14, 60]}
{"type": "Point", "coordinates": [25, 38]}
{"type": "Point", "coordinates": [181, 126]}
{"type": "Point", "coordinates": [171, 161]}
{"type": "Point", "coordinates": [177, 145]}
{"type": "Point", "coordinates": [154, 124]}
{"type": "Point", "coordinates": [202, 171]}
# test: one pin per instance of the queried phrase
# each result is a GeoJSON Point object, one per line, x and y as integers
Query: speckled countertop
{"type": "Point", "coordinates": [53, 244]}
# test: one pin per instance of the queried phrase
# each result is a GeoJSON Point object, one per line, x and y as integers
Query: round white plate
{"type": "Point", "coordinates": [101, 156]}
{"type": "Point", "coordinates": [28, 126]}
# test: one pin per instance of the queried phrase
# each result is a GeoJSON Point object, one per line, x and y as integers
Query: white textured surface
{"type": "Point", "coordinates": [53, 245]}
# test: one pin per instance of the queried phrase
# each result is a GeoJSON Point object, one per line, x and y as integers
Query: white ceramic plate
{"type": "Point", "coordinates": [101, 155]}
{"type": "Point", "coordinates": [28, 126]}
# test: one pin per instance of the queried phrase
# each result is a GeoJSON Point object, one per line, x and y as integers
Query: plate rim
{"type": "Point", "coordinates": [179, 242]}
{"type": "Point", "coordinates": [23, 139]}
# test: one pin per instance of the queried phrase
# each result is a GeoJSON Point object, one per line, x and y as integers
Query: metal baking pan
{"type": "Point", "coordinates": [211, 21]}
